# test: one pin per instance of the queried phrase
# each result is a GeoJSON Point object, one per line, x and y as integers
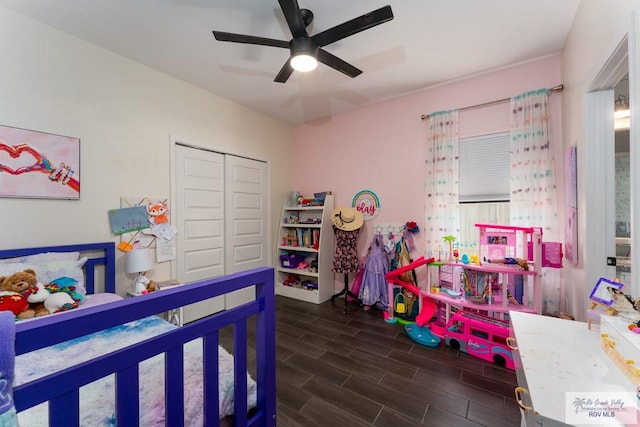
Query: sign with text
{"type": "Point", "coordinates": [601, 408]}
{"type": "Point", "coordinates": [367, 203]}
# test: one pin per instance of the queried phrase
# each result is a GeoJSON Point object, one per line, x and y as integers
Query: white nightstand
{"type": "Point", "coordinates": [175, 315]}
{"type": "Point", "coordinates": [172, 316]}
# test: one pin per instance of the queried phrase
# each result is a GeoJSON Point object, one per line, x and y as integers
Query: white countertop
{"type": "Point", "coordinates": [561, 356]}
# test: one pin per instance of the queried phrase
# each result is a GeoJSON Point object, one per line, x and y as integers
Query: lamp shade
{"type": "Point", "coordinates": [138, 260]}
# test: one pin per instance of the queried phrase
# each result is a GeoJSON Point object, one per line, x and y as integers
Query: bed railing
{"type": "Point", "coordinates": [62, 388]}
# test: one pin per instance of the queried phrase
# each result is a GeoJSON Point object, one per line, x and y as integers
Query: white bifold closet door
{"type": "Point", "coordinates": [221, 220]}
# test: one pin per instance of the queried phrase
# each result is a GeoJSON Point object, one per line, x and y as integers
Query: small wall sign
{"type": "Point", "coordinates": [368, 203]}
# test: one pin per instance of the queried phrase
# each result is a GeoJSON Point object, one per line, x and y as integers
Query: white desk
{"type": "Point", "coordinates": [555, 356]}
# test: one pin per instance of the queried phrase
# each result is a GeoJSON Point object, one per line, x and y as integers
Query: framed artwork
{"type": "Point", "coordinates": [38, 164]}
{"type": "Point", "coordinates": [155, 230]}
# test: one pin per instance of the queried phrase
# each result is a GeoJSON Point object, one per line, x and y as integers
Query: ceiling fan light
{"type": "Point", "coordinates": [304, 62]}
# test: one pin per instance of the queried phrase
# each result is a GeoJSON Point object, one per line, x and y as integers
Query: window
{"type": "Point", "coordinates": [479, 333]}
{"type": "Point", "coordinates": [484, 186]}
{"type": "Point", "coordinates": [485, 168]}
{"type": "Point", "coordinates": [500, 340]}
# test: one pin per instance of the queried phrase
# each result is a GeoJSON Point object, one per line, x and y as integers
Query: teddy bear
{"type": "Point", "coordinates": [41, 301]}
{"type": "Point", "coordinates": [13, 302]}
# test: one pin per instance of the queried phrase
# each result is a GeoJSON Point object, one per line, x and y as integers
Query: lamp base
{"type": "Point", "coordinates": [140, 285]}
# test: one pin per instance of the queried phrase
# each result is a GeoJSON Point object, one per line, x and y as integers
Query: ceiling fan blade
{"type": "Point", "coordinates": [338, 64]}
{"type": "Point", "coordinates": [354, 26]}
{"type": "Point", "coordinates": [285, 73]}
{"type": "Point", "coordinates": [292, 14]}
{"type": "Point", "coordinates": [243, 38]}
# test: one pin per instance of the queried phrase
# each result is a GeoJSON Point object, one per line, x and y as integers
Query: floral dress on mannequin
{"type": "Point", "coordinates": [345, 259]}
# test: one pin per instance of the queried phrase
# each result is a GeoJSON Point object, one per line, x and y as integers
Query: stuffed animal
{"type": "Point", "coordinates": [158, 213]}
{"type": "Point", "coordinates": [41, 301]}
{"type": "Point", "coordinates": [24, 283]}
{"type": "Point", "coordinates": [13, 302]}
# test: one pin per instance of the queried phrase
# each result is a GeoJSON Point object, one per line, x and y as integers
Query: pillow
{"type": "Point", "coordinates": [43, 257]}
{"type": "Point", "coordinates": [46, 272]}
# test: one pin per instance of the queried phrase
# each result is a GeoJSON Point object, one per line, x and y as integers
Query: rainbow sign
{"type": "Point", "coordinates": [367, 202]}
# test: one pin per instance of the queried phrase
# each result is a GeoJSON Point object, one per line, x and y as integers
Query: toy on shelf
{"type": "Point", "coordinates": [450, 241]}
{"type": "Point", "coordinates": [520, 262]}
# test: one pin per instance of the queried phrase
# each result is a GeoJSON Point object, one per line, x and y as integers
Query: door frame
{"type": "Point", "coordinates": [173, 141]}
{"type": "Point", "coordinates": [599, 181]}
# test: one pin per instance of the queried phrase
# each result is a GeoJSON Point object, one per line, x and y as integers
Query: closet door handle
{"type": "Point", "coordinates": [518, 391]}
{"type": "Point", "coordinates": [512, 343]}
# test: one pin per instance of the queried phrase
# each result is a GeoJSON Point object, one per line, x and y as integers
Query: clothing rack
{"type": "Point", "coordinates": [385, 229]}
{"type": "Point", "coordinates": [557, 88]}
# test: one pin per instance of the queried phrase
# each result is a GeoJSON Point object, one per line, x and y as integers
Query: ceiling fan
{"type": "Point", "coordinates": [307, 50]}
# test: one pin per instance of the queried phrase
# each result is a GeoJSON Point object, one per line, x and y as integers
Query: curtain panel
{"type": "Point", "coordinates": [533, 182]}
{"type": "Point", "coordinates": [442, 210]}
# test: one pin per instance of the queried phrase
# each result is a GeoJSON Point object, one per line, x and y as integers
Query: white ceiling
{"type": "Point", "coordinates": [427, 43]}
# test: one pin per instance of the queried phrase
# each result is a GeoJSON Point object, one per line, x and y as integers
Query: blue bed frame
{"type": "Point", "coordinates": [62, 388]}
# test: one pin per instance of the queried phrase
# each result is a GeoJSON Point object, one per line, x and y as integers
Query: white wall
{"type": "Point", "coordinates": [598, 28]}
{"type": "Point", "coordinates": [124, 113]}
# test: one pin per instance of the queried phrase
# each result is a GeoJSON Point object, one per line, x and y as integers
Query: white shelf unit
{"type": "Point", "coordinates": [305, 231]}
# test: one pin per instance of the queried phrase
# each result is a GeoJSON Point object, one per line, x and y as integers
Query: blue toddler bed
{"type": "Point", "coordinates": [118, 363]}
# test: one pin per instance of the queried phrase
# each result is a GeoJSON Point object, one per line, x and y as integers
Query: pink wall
{"type": "Point", "coordinates": [383, 147]}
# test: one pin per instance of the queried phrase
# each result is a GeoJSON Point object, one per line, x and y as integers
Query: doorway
{"type": "Point", "coordinates": [603, 158]}
{"type": "Point", "coordinates": [622, 183]}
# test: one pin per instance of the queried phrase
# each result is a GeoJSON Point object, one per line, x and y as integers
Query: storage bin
{"type": "Point", "coordinates": [291, 260]}
{"type": "Point", "coordinates": [308, 284]}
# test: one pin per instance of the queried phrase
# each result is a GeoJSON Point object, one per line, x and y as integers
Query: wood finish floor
{"type": "Point", "coordinates": [354, 369]}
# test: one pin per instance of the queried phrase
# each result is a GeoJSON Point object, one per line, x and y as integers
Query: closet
{"type": "Point", "coordinates": [221, 213]}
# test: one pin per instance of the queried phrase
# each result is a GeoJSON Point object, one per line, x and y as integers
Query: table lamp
{"type": "Point", "coordinates": [139, 261]}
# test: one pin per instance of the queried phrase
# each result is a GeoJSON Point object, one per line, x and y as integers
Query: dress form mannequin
{"type": "Point", "coordinates": [346, 226]}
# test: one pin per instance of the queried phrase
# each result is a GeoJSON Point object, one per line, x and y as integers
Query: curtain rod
{"type": "Point", "coordinates": [557, 88]}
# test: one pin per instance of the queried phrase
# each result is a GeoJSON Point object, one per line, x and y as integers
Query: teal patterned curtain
{"type": "Point", "coordinates": [443, 216]}
{"type": "Point", "coordinates": [533, 181]}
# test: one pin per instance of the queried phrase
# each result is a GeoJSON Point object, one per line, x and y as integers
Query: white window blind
{"type": "Point", "coordinates": [485, 168]}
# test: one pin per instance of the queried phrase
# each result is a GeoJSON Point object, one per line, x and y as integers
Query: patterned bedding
{"type": "Point", "coordinates": [97, 399]}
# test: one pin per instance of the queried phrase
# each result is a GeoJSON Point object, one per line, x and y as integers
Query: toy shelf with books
{"type": "Point", "coordinates": [305, 244]}
{"type": "Point", "coordinates": [506, 275]}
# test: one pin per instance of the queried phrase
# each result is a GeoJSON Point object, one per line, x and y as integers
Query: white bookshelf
{"type": "Point", "coordinates": [306, 232]}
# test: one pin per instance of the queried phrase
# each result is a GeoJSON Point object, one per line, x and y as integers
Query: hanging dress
{"type": "Point", "coordinates": [374, 285]}
{"type": "Point", "coordinates": [345, 259]}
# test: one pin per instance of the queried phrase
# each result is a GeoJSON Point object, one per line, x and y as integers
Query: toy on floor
{"type": "Point", "coordinates": [419, 331]}
{"type": "Point", "coordinates": [422, 335]}
{"type": "Point", "coordinates": [480, 336]}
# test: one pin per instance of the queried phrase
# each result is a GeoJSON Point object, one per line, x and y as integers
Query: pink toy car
{"type": "Point", "coordinates": [480, 336]}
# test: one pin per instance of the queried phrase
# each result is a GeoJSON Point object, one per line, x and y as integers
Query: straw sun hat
{"type": "Point", "coordinates": [347, 219]}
